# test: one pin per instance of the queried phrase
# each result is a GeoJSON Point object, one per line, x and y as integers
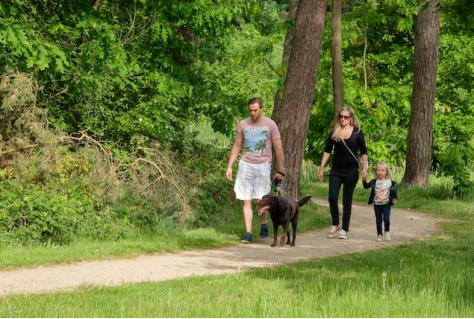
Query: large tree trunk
{"type": "Point", "coordinates": [420, 133]}
{"type": "Point", "coordinates": [293, 117]}
{"type": "Point", "coordinates": [278, 100]}
{"type": "Point", "coordinates": [336, 52]}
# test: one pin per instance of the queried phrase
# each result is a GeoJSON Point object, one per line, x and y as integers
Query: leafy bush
{"type": "Point", "coordinates": [33, 213]}
{"type": "Point", "coordinates": [457, 163]}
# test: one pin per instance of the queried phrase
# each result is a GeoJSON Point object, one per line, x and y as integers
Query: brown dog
{"type": "Point", "coordinates": [282, 211]}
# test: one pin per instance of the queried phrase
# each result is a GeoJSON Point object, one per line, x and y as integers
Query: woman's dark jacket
{"type": "Point", "coordinates": [371, 184]}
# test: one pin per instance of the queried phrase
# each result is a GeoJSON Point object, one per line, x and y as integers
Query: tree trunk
{"type": "Point", "coordinates": [420, 133]}
{"type": "Point", "coordinates": [298, 94]}
{"type": "Point", "coordinates": [278, 100]}
{"type": "Point", "coordinates": [336, 52]}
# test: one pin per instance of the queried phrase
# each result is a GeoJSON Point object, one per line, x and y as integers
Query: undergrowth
{"type": "Point", "coordinates": [58, 187]}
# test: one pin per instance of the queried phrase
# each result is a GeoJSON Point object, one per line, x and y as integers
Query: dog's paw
{"type": "Point", "coordinates": [282, 240]}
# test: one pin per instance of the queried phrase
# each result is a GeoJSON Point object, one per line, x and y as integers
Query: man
{"type": "Point", "coordinates": [258, 134]}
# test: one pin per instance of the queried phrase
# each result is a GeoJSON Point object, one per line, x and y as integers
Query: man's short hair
{"type": "Point", "coordinates": [256, 100]}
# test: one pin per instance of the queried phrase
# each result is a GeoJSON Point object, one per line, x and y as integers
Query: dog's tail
{"type": "Point", "coordinates": [303, 201]}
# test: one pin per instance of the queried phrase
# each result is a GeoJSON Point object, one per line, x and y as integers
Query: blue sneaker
{"type": "Point", "coordinates": [264, 231]}
{"type": "Point", "coordinates": [247, 239]}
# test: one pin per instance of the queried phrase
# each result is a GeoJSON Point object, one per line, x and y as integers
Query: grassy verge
{"type": "Point", "coordinates": [431, 278]}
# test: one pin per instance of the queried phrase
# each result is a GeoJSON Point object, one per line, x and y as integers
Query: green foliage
{"type": "Point", "coordinates": [127, 79]}
{"type": "Point", "coordinates": [31, 213]}
{"type": "Point", "coordinates": [135, 74]}
{"type": "Point", "coordinates": [247, 67]}
{"type": "Point", "coordinates": [213, 189]}
{"type": "Point", "coordinates": [457, 162]}
{"type": "Point", "coordinates": [383, 107]}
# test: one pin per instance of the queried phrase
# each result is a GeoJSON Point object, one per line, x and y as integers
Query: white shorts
{"type": "Point", "coordinates": [252, 181]}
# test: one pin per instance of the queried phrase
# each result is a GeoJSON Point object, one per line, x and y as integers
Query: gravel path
{"type": "Point", "coordinates": [406, 226]}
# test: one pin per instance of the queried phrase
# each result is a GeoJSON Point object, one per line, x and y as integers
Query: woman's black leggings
{"type": "Point", "coordinates": [346, 177]}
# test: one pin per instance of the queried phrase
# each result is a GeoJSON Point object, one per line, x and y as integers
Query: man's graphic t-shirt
{"type": "Point", "coordinates": [257, 139]}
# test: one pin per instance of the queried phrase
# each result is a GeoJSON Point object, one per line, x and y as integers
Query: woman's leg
{"type": "Point", "coordinates": [351, 177]}
{"type": "Point", "coordinates": [335, 182]}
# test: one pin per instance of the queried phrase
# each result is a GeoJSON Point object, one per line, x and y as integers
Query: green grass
{"type": "Point", "coordinates": [423, 279]}
{"type": "Point", "coordinates": [430, 278]}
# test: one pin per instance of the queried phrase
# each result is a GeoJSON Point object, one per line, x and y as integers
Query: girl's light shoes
{"type": "Point", "coordinates": [387, 237]}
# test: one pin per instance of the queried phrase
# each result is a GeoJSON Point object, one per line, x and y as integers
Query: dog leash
{"type": "Point", "coordinates": [277, 184]}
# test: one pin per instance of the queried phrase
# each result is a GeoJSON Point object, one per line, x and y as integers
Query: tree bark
{"type": "Point", "coordinates": [298, 94]}
{"type": "Point", "coordinates": [336, 52]}
{"type": "Point", "coordinates": [420, 133]}
{"type": "Point", "coordinates": [278, 99]}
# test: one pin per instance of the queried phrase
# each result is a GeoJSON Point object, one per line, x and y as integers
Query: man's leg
{"type": "Point", "coordinates": [248, 215]}
{"type": "Point", "coordinates": [261, 187]}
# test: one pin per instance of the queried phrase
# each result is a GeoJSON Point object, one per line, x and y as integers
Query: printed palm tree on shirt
{"type": "Point", "coordinates": [261, 146]}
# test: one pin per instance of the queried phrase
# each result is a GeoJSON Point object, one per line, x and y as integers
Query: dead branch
{"type": "Point", "coordinates": [88, 138]}
{"type": "Point", "coordinates": [21, 148]}
{"type": "Point", "coordinates": [162, 175]}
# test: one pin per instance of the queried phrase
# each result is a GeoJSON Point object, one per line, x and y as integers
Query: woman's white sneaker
{"type": "Point", "coordinates": [333, 231]}
{"type": "Point", "coordinates": [387, 236]}
{"type": "Point", "coordinates": [343, 234]}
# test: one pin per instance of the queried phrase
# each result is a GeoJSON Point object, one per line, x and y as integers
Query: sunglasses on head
{"type": "Point", "coordinates": [345, 117]}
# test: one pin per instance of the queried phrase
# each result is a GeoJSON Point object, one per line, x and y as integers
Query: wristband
{"type": "Point", "coordinates": [281, 173]}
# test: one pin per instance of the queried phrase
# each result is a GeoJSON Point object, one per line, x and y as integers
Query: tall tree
{"type": "Point", "coordinates": [278, 100]}
{"type": "Point", "coordinates": [420, 132]}
{"type": "Point", "coordinates": [336, 52]}
{"type": "Point", "coordinates": [298, 94]}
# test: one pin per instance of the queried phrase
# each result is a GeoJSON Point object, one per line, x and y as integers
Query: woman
{"type": "Point", "coordinates": [346, 140]}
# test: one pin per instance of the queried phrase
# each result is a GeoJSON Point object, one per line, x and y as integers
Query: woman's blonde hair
{"type": "Point", "coordinates": [336, 127]}
{"type": "Point", "coordinates": [387, 169]}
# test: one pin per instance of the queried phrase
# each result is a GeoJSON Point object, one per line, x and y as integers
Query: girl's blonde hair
{"type": "Point", "coordinates": [387, 169]}
{"type": "Point", "coordinates": [336, 127]}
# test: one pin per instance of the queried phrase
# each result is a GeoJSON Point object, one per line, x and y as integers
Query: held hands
{"type": "Point", "coordinates": [364, 174]}
{"type": "Point", "coordinates": [320, 174]}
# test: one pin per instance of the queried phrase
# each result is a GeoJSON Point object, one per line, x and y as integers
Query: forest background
{"type": "Point", "coordinates": [118, 115]}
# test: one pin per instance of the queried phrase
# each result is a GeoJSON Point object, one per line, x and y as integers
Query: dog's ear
{"type": "Point", "coordinates": [278, 200]}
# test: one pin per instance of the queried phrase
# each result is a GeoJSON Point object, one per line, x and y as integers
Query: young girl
{"type": "Point", "coordinates": [383, 195]}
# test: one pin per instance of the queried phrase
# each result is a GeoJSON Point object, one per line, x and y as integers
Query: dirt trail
{"type": "Point", "coordinates": [406, 226]}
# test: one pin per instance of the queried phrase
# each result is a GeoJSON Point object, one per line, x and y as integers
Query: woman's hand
{"type": "Point", "coordinates": [365, 175]}
{"type": "Point", "coordinates": [320, 174]}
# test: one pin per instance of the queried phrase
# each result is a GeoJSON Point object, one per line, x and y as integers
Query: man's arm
{"type": "Point", "coordinates": [234, 153]}
{"type": "Point", "coordinates": [280, 156]}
